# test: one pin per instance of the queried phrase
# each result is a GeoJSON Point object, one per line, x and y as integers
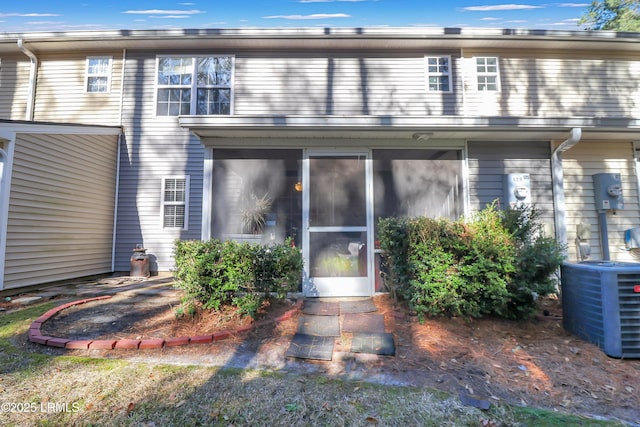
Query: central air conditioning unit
{"type": "Point", "coordinates": [601, 304]}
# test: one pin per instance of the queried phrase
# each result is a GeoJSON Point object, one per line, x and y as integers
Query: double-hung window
{"type": "Point", "coordinates": [175, 202]}
{"type": "Point", "coordinates": [438, 73]}
{"type": "Point", "coordinates": [194, 85]}
{"type": "Point", "coordinates": [487, 74]}
{"type": "Point", "coordinates": [98, 74]}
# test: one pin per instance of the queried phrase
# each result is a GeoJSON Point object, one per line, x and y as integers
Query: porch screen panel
{"type": "Point", "coordinates": [257, 195]}
{"type": "Point", "coordinates": [412, 183]}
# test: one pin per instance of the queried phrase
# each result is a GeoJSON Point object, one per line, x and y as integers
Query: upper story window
{"type": "Point", "coordinates": [175, 202]}
{"type": "Point", "coordinates": [98, 75]}
{"type": "Point", "coordinates": [487, 73]}
{"type": "Point", "coordinates": [438, 73]}
{"type": "Point", "coordinates": [194, 85]}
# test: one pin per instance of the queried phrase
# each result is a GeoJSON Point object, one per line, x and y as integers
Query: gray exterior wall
{"type": "Point", "coordinates": [579, 165]}
{"type": "Point", "coordinates": [61, 208]}
{"type": "Point", "coordinates": [62, 96]}
{"type": "Point", "coordinates": [153, 148]}
{"type": "Point", "coordinates": [556, 84]}
{"type": "Point", "coordinates": [385, 83]}
{"type": "Point", "coordinates": [341, 84]}
{"type": "Point", "coordinates": [14, 86]}
{"type": "Point", "coordinates": [490, 161]}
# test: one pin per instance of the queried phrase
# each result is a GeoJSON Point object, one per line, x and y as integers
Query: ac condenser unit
{"type": "Point", "coordinates": [601, 304]}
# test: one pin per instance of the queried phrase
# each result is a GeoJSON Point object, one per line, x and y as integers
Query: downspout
{"type": "Point", "coordinates": [118, 154]}
{"type": "Point", "coordinates": [33, 75]}
{"type": "Point", "coordinates": [558, 181]}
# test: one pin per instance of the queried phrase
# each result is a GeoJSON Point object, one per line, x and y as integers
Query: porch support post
{"type": "Point", "coordinates": [207, 197]}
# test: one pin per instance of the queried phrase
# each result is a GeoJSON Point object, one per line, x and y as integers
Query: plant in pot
{"type": "Point", "coordinates": [254, 214]}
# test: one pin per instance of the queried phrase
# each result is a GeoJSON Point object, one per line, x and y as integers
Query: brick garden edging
{"type": "Point", "coordinates": [35, 335]}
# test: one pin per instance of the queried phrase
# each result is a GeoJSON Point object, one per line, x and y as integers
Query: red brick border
{"type": "Point", "coordinates": [35, 335]}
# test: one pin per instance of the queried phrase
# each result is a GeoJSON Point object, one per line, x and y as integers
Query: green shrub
{"type": "Point", "coordinates": [538, 259]}
{"type": "Point", "coordinates": [393, 234]}
{"type": "Point", "coordinates": [496, 263]}
{"type": "Point", "coordinates": [215, 273]}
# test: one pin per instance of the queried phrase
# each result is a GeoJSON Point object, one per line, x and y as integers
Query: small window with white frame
{"type": "Point", "coordinates": [98, 74]}
{"type": "Point", "coordinates": [438, 73]}
{"type": "Point", "coordinates": [487, 73]}
{"type": "Point", "coordinates": [175, 202]}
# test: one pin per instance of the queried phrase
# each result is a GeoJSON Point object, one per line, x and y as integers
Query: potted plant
{"type": "Point", "coordinates": [254, 214]}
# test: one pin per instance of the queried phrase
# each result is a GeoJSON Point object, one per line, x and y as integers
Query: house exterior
{"type": "Point", "coordinates": [312, 134]}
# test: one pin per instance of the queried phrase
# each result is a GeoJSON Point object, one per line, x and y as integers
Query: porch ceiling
{"type": "Point", "coordinates": [420, 130]}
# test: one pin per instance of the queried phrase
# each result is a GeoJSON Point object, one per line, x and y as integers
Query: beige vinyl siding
{"type": "Point", "coordinates": [340, 85]}
{"type": "Point", "coordinates": [579, 165]}
{"type": "Point", "coordinates": [488, 163]}
{"type": "Point", "coordinates": [60, 219]}
{"type": "Point", "coordinates": [155, 147]}
{"type": "Point", "coordinates": [546, 84]}
{"type": "Point", "coordinates": [61, 95]}
{"type": "Point", "coordinates": [14, 87]}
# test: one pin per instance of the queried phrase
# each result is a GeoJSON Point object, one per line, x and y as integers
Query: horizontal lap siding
{"type": "Point", "coordinates": [61, 95]}
{"type": "Point", "coordinates": [545, 85]}
{"type": "Point", "coordinates": [579, 165]}
{"type": "Point", "coordinates": [14, 88]}
{"type": "Point", "coordinates": [337, 85]}
{"type": "Point", "coordinates": [60, 221]}
{"type": "Point", "coordinates": [490, 161]}
{"type": "Point", "coordinates": [153, 148]}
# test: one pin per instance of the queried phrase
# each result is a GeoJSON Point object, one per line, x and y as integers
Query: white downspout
{"type": "Point", "coordinates": [33, 75]}
{"type": "Point", "coordinates": [118, 153]}
{"type": "Point", "coordinates": [557, 175]}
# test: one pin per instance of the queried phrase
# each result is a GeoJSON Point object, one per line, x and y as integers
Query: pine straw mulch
{"type": "Point", "coordinates": [534, 362]}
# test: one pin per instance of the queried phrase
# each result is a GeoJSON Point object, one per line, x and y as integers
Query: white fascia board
{"type": "Point", "coordinates": [443, 122]}
{"type": "Point", "coordinates": [376, 38]}
{"type": "Point", "coordinates": [56, 129]}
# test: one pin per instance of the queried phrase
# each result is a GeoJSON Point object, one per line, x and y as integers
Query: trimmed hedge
{"type": "Point", "coordinates": [496, 263]}
{"type": "Point", "coordinates": [215, 273]}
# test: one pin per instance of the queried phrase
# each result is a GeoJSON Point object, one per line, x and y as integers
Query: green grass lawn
{"type": "Point", "coordinates": [43, 390]}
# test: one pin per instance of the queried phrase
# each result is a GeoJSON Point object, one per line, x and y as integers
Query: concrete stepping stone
{"type": "Point", "coordinates": [326, 326]}
{"type": "Point", "coordinates": [363, 322]}
{"type": "Point", "coordinates": [361, 306]}
{"type": "Point", "coordinates": [26, 300]}
{"type": "Point", "coordinates": [311, 347]}
{"type": "Point", "coordinates": [321, 308]}
{"type": "Point", "coordinates": [381, 344]}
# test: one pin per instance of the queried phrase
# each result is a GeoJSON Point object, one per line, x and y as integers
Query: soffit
{"type": "Point", "coordinates": [417, 130]}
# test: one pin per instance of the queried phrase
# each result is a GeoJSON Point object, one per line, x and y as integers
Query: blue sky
{"type": "Point", "coordinates": [64, 15]}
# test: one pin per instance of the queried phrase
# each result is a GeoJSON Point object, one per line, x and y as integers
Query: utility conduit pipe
{"type": "Point", "coordinates": [558, 182]}
{"type": "Point", "coordinates": [33, 75]}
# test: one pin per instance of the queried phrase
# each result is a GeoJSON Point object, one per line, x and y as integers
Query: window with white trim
{"type": "Point", "coordinates": [438, 73]}
{"type": "Point", "coordinates": [175, 202]}
{"type": "Point", "coordinates": [487, 74]}
{"type": "Point", "coordinates": [194, 85]}
{"type": "Point", "coordinates": [98, 74]}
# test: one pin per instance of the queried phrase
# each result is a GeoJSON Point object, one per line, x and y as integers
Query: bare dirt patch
{"type": "Point", "coordinates": [534, 362]}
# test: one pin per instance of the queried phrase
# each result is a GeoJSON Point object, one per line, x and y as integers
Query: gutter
{"type": "Point", "coordinates": [557, 175]}
{"type": "Point", "coordinates": [33, 75]}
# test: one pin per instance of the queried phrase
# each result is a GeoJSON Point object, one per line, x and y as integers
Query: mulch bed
{"type": "Point", "coordinates": [534, 362]}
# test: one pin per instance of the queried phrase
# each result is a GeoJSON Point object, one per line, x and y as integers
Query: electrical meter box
{"type": "Point", "coordinates": [608, 191]}
{"type": "Point", "coordinates": [517, 190]}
